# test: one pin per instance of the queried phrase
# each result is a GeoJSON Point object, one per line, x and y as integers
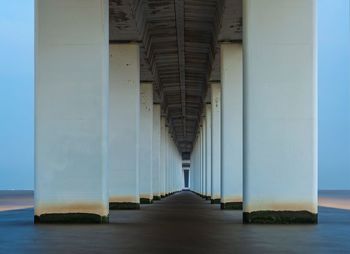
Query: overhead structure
{"type": "Point", "coordinates": [130, 94]}
{"type": "Point", "coordinates": [179, 52]}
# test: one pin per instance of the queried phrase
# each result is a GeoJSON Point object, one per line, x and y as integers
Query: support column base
{"type": "Point", "coordinates": [215, 201]}
{"type": "Point", "coordinates": [280, 217]}
{"type": "Point", "coordinates": [123, 206]}
{"type": "Point", "coordinates": [156, 197]}
{"type": "Point", "coordinates": [232, 206]}
{"type": "Point", "coordinates": [70, 218]}
{"type": "Point", "coordinates": [146, 201]}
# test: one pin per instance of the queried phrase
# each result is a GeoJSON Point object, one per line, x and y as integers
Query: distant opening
{"type": "Point", "coordinates": [186, 176]}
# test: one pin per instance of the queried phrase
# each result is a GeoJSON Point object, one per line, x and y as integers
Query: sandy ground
{"type": "Point", "coordinates": [335, 199]}
{"type": "Point", "coordinates": [15, 200]}
{"type": "Point", "coordinates": [182, 223]}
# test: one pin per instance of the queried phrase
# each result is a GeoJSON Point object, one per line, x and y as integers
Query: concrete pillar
{"type": "Point", "coordinates": [204, 168]}
{"type": "Point", "coordinates": [146, 132]}
{"type": "Point", "coordinates": [201, 160]}
{"type": "Point", "coordinates": [280, 115]}
{"type": "Point", "coordinates": [232, 126]}
{"type": "Point", "coordinates": [162, 157]}
{"type": "Point", "coordinates": [208, 149]}
{"type": "Point", "coordinates": [71, 111]}
{"type": "Point", "coordinates": [198, 164]}
{"type": "Point", "coordinates": [124, 113]}
{"type": "Point", "coordinates": [156, 180]}
{"type": "Point", "coordinates": [195, 166]}
{"type": "Point", "coordinates": [167, 163]}
{"type": "Point", "coordinates": [216, 143]}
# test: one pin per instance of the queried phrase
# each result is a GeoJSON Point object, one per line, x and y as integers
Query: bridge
{"type": "Point", "coordinates": [127, 91]}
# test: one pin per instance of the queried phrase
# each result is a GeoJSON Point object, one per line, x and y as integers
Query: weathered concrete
{"type": "Point", "coordinates": [146, 142]}
{"type": "Point", "coordinates": [208, 149]}
{"type": "Point", "coordinates": [156, 175]}
{"type": "Point", "coordinates": [231, 205]}
{"type": "Point", "coordinates": [70, 218]}
{"type": "Point", "coordinates": [203, 228]}
{"type": "Point", "coordinates": [280, 116]}
{"type": "Point", "coordinates": [280, 217]}
{"type": "Point", "coordinates": [231, 125]}
{"type": "Point", "coordinates": [216, 141]}
{"type": "Point", "coordinates": [124, 120]}
{"type": "Point", "coordinates": [162, 174]}
{"type": "Point", "coordinates": [71, 109]}
{"type": "Point", "coordinates": [203, 159]}
{"type": "Point", "coordinates": [124, 205]}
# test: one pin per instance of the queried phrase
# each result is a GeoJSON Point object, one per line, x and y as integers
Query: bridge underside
{"type": "Point", "coordinates": [180, 53]}
{"type": "Point", "coordinates": [128, 89]}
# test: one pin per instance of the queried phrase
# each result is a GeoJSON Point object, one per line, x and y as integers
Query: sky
{"type": "Point", "coordinates": [17, 94]}
{"type": "Point", "coordinates": [334, 94]}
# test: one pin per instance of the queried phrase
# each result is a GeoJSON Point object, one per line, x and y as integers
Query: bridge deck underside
{"type": "Point", "coordinates": [179, 41]}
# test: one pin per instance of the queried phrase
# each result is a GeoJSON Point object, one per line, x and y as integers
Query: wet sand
{"type": "Point", "coordinates": [14, 200]}
{"type": "Point", "coordinates": [334, 199]}
{"type": "Point", "coordinates": [182, 223]}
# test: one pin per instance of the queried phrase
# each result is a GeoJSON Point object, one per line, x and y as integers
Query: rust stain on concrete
{"type": "Point", "coordinates": [272, 206]}
{"type": "Point", "coordinates": [228, 199]}
{"type": "Point", "coordinates": [124, 199]}
{"type": "Point", "coordinates": [93, 208]}
{"type": "Point", "coordinates": [147, 196]}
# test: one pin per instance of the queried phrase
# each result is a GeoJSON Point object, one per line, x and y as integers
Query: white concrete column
{"type": "Point", "coordinates": [198, 163]}
{"type": "Point", "coordinates": [280, 115]}
{"type": "Point", "coordinates": [216, 143]}
{"type": "Point", "coordinates": [167, 161]}
{"type": "Point", "coordinates": [208, 148]}
{"type": "Point", "coordinates": [124, 113]}
{"type": "Point", "coordinates": [201, 160]}
{"type": "Point", "coordinates": [156, 180]}
{"type": "Point", "coordinates": [146, 140]}
{"type": "Point", "coordinates": [204, 168]}
{"type": "Point", "coordinates": [195, 166]}
{"type": "Point", "coordinates": [71, 111]}
{"type": "Point", "coordinates": [162, 157]}
{"type": "Point", "coordinates": [232, 126]}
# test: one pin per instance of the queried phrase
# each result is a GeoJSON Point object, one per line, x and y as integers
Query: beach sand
{"type": "Point", "coordinates": [14, 200]}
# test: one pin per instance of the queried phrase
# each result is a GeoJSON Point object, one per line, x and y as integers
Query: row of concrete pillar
{"type": "Point", "coordinates": [94, 121]}
{"type": "Point", "coordinates": [100, 141]}
{"type": "Point", "coordinates": [257, 145]}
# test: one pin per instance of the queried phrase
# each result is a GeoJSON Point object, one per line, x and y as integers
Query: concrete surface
{"type": "Point", "coordinates": [280, 106]}
{"type": "Point", "coordinates": [231, 123]}
{"type": "Point", "coordinates": [182, 223]}
{"type": "Point", "coordinates": [124, 135]}
{"type": "Point", "coordinates": [71, 106]}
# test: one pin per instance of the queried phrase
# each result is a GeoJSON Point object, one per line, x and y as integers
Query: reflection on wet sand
{"type": "Point", "coordinates": [334, 199]}
{"type": "Point", "coordinates": [14, 200]}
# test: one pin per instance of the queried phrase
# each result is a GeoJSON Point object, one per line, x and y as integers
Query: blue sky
{"type": "Point", "coordinates": [17, 94]}
{"type": "Point", "coordinates": [334, 94]}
